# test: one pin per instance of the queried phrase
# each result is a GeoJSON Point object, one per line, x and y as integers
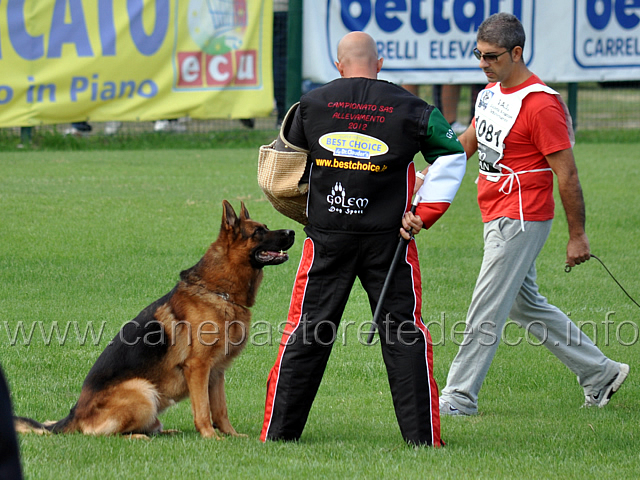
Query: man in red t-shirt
{"type": "Point", "coordinates": [522, 137]}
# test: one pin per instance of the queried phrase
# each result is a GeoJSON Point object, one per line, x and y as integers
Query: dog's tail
{"type": "Point", "coordinates": [28, 425]}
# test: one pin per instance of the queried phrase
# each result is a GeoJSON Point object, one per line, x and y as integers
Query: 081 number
{"type": "Point", "coordinates": [487, 131]}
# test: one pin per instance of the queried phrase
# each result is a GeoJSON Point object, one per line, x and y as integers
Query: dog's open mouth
{"type": "Point", "coordinates": [269, 257]}
{"type": "Point", "coordinates": [273, 249]}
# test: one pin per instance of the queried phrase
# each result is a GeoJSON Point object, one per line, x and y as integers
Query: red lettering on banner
{"type": "Point", "coordinates": [189, 69]}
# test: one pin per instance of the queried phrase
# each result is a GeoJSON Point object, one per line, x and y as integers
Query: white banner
{"type": "Point", "coordinates": [432, 41]}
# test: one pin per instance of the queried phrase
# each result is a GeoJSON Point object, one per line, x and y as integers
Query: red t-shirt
{"type": "Point", "coordinates": [539, 130]}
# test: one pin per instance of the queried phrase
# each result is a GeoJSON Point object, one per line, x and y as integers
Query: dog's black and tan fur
{"type": "Point", "coordinates": [181, 344]}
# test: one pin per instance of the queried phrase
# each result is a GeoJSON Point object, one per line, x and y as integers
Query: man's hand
{"type": "Point", "coordinates": [578, 250]}
{"type": "Point", "coordinates": [410, 222]}
{"type": "Point", "coordinates": [564, 166]}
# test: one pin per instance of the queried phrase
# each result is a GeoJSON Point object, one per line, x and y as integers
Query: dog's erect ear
{"type": "Point", "coordinates": [244, 212]}
{"type": "Point", "coordinates": [229, 218]}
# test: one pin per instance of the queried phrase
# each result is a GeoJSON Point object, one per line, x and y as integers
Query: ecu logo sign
{"type": "Point", "coordinates": [217, 55]}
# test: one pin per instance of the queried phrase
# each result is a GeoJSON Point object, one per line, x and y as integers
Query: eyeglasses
{"type": "Point", "coordinates": [488, 57]}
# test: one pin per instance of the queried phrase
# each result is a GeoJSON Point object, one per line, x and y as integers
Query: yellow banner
{"type": "Point", "coordinates": [134, 60]}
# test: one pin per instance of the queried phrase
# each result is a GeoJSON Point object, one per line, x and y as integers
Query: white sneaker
{"type": "Point", "coordinates": [75, 132]}
{"type": "Point", "coordinates": [447, 409]}
{"type": "Point", "coordinates": [161, 125]}
{"type": "Point", "coordinates": [169, 126]}
{"type": "Point", "coordinates": [458, 128]}
{"type": "Point", "coordinates": [601, 398]}
{"type": "Point", "coordinates": [111, 128]}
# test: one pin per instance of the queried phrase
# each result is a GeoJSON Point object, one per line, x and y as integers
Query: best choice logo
{"type": "Point", "coordinates": [218, 29]}
{"type": "Point", "coordinates": [353, 145]}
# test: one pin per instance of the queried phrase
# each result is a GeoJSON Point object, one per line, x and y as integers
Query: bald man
{"type": "Point", "coordinates": [361, 135]}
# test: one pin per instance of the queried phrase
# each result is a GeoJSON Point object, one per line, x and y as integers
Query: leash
{"type": "Point", "coordinates": [402, 243]}
{"type": "Point", "coordinates": [567, 269]}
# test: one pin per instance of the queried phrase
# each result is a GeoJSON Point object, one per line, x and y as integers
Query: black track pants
{"type": "Point", "coordinates": [328, 268]}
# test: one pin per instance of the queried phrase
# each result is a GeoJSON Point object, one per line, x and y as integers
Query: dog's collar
{"type": "Point", "coordinates": [204, 292]}
{"type": "Point", "coordinates": [226, 298]}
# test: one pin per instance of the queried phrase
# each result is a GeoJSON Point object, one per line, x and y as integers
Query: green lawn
{"type": "Point", "coordinates": [88, 239]}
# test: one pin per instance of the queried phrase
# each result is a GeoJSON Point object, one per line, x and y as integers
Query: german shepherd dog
{"type": "Point", "coordinates": [181, 344]}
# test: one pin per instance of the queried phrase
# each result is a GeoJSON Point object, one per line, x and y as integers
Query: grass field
{"type": "Point", "coordinates": [88, 239]}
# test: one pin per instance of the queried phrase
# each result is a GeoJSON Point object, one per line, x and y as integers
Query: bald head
{"type": "Point", "coordinates": [358, 56]}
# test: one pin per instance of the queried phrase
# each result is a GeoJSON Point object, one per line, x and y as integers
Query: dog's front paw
{"type": "Point", "coordinates": [137, 436]}
{"type": "Point", "coordinates": [210, 433]}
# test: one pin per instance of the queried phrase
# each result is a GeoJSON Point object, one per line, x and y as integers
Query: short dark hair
{"type": "Point", "coordinates": [502, 29]}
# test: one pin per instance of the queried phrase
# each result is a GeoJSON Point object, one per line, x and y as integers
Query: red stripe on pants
{"type": "Point", "coordinates": [412, 259]}
{"type": "Point", "coordinates": [293, 319]}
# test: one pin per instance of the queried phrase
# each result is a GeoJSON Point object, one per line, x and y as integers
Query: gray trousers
{"type": "Point", "coordinates": [506, 287]}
